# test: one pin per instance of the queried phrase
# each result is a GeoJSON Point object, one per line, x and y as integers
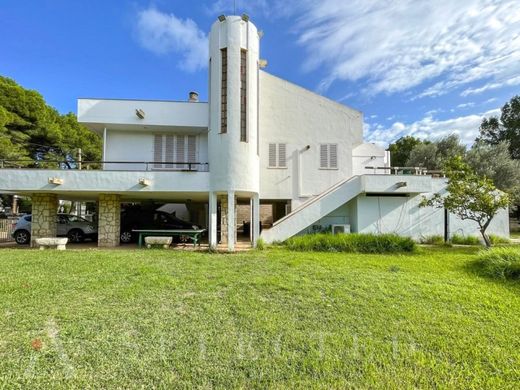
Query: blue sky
{"type": "Point", "coordinates": [413, 67]}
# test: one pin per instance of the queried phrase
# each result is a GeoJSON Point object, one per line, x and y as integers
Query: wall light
{"type": "Point", "coordinates": [145, 182]}
{"type": "Point", "coordinates": [55, 180]}
{"type": "Point", "coordinates": [262, 64]}
{"type": "Point", "coordinates": [140, 113]}
{"type": "Point", "coordinates": [401, 184]}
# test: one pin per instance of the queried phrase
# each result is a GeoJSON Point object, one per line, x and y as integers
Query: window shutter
{"type": "Point", "coordinates": [157, 150]}
{"type": "Point", "coordinates": [180, 151]}
{"type": "Point", "coordinates": [272, 155]}
{"type": "Point", "coordinates": [324, 156]}
{"type": "Point", "coordinates": [282, 157]}
{"type": "Point", "coordinates": [333, 155]}
{"type": "Point", "coordinates": [192, 151]}
{"type": "Point", "coordinates": [168, 152]}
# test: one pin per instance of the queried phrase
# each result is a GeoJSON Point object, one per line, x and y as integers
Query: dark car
{"type": "Point", "coordinates": [144, 219]}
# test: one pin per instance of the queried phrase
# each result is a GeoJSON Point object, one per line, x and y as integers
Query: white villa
{"type": "Point", "coordinates": [261, 151]}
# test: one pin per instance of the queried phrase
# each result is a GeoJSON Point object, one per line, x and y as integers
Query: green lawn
{"type": "Point", "coordinates": [274, 318]}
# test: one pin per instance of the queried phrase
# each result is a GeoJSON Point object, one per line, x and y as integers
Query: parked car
{"type": "Point", "coordinates": [71, 226]}
{"type": "Point", "coordinates": [132, 219]}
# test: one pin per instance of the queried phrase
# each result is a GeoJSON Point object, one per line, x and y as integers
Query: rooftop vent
{"type": "Point", "coordinates": [193, 97]}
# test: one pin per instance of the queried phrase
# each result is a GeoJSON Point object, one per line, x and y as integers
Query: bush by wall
{"type": "Point", "coordinates": [498, 240]}
{"type": "Point", "coordinates": [432, 240]}
{"type": "Point", "coordinates": [458, 239]}
{"type": "Point", "coordinates": [501, 263]}
{"type": "Point", "coordinates": [355, 242]}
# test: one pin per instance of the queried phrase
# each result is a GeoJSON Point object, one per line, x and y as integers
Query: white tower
{"type": "Point", "coordinates": [233, 124]}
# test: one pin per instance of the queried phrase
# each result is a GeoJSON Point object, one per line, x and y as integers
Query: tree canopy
{"type": "Point", "coordinates": [31, 129]}
{"type": "Point", "coordinates": [495, 130]}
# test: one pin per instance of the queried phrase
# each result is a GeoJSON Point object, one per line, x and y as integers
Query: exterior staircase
{"type": "Point", "coordinates": [313, 209]}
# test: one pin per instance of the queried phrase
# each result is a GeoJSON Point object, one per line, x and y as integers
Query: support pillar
{"type": "Point", "coordinates": [109, 220]}
{"type": "Point", "coordinates": [212, 220]}
{"type": "Point", "coordinates": [44, 210]}
{"type": "Point", "coordinates": [255, 219]}
{"type": "Point", "coordinates": [232, 225]}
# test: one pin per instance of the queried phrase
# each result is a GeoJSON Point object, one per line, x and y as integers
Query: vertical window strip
{"type": "Point", "coordinates": [192, 151]}
{"type": "Point", "coordinates": [180, 151]}
{"type": "Point", "coordinates": [168, 152]}
{"type": "Point", "coordinates": [243, 96]}
{"type": "Point", "coordinates": [223, 97]}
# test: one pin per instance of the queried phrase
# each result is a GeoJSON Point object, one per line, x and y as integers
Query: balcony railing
{"type": "Point", "coordinates": [176, 166]}
{"type": "Point", "coordinates": [405, 171]}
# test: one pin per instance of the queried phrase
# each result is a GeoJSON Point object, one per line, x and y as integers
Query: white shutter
{"type": "Point", "coordinates": [272, 155]}
{"type": "Point", "coordinates": [282, 157]}
{"type": "Point", "coordinates": [333, 156]}
{"type": "Point", "coordinates": [168, 152]}
{"type": "Point", "coordinates": [180, 151]}
{"type": "Point", "coordinates": [324, 156]}
{"type": "Point", "coordinates": [157, 150]}
{"type": "Point", "coordinates": [192, 151]}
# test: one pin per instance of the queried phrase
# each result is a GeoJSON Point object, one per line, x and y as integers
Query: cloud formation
{"type": "Point", "coordinates": [163, 33]}
{"type": "Point", "coordinates": [466, 127]}
{"type": "Point", "coordinates": [395, 46]}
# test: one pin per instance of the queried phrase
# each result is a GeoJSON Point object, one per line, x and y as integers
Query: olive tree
{"type": "Point", "coordinates": [469, 196]}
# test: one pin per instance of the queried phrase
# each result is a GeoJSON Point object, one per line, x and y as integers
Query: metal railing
{"type": "Point", "coordinates": [406, 171]}
{"type": "Point", "coordinates": [182, 166]}
{"type": "Point", "coordinates": [7, 228]}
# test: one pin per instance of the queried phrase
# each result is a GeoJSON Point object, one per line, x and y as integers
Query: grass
{"type": "Point", "coordinates": [354, 242]}
{"type": "Point", "coordinates": [262, 319]}
{"type": "Point", "coordinates": [501, 263]}
{"type": "Point", "coordinates": [432, 240]}
{"type": "Point", "coordinates": [458, 239]}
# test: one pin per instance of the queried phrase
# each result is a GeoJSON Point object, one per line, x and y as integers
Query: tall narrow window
{"type": "Point", "coordinates": [243, 96]}
{"type": "Point", "coordinates": [223, 96]}
{"type": "Point", "coordinates": [277, 156]}
{"type": "Point", "coordinates": [328, 156]}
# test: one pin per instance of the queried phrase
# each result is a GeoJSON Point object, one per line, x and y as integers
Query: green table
{"type": "Point", "coordinates": [193, 235]}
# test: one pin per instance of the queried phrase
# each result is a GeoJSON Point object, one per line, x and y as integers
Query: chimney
{"type": "Point", "coordinates": [194, 97]}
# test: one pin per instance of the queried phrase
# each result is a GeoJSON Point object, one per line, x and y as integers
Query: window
{"type": "Point", "coordinates": [243, 96]}
{"type": "Point", "coordinates": [172, 151]}
{"type": "Point", "coordinates": [223, 96]}
{"type": "Point", "coordinates": [277, 155]}
{"type": "Point", "coordinates": [328, 156]}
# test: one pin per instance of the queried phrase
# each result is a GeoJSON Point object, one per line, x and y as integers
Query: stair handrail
{"type": "Point", "coordinates": [314, 199]}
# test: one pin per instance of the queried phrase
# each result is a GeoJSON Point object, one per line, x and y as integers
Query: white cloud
{"type": "Point", "coordinates": [164, 33]}
{"type": "Point", "coordinates": [394, 46]}
{"type": "Point", "coordinates": [466, 105]}
{"type": "Point", "coordinates": [466, 127]}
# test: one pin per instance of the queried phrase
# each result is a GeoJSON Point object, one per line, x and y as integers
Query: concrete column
{"type": "Point", "coordinates": [212, 220]}
{"type": "Point", "coordinates": [109, 216]}
{"type": "Point", "coordinates": [232, 225]}
{"type": "Point", "coordinates": [223, 219]}
{"type": "Point", "coordinates": [255, 219]}
{"type": "Point", "coordinates": [44, 210]}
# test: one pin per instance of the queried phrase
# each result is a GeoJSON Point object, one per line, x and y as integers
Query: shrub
{"type": "Point", "coordinates": [498, 240]}
{"type": "Point", "coordinates": [459, 239]}
{"type": "Point", "coordinates": [355, 242]}
{"type": "Point", "coordinates": [260, 244]}
{"type": "Point", "coordinates": [502, 263]}
{"type": "Point", "coordinates": [432, 240]}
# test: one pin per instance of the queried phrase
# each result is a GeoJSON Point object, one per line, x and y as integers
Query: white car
{"type": "Point", "coordinates": [68, 225]}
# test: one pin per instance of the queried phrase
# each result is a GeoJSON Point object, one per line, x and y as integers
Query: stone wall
{"type": "Point", "coordinates": [109, 220]}
{"type": "Point", "coordinates": [44, 210]}
{"type": "Point", "coordinates": [223, 218]}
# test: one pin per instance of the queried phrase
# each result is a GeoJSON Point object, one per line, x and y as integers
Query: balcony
{"type": "Point", "coordinates": [141, 179]}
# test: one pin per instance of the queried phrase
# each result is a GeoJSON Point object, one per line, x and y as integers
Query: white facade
{"type": "Point", "coordinates": [258, 139]}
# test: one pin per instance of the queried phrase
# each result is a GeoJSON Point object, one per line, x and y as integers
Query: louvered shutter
{"type": "Point", "coordinates": [272, 155]}
{"type": "Point", "coordinates": [180, 151]}
{"type": "Point", "coordinates": [333, 156]}
{"type": "Point", "coordinates": [282, 157]}
{"type": "Point", "coordinates": [168, 152]}
{"type": "Point", "coordinates": [192, 151]}
{"type": "Point", "coordinates": [324, 156]}
{"type": "Point", "coordinates": [157, 151]}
